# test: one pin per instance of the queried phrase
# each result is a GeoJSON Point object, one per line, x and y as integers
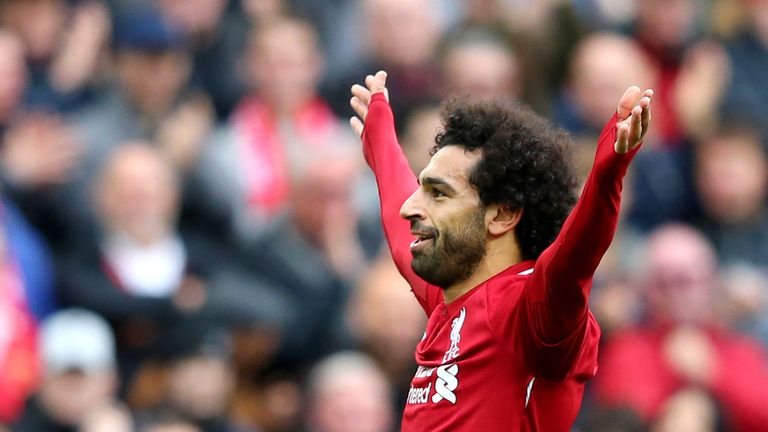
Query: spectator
{"type": "Point", "coordinates": [247, 168]}
{"type": "Point", "coordinates": [691, 74]}
{"type": "Point", "coordinates": [337, 23]}
{"type": "Point", "coordinates": [26, 297]}
{"type": "Point", "coordinates": [402, 38]}
{"type": "Point", "coordinates": [388, 322]}
{"type": "Point", "coordinates": [748, 54]}
{"type": "Point", "coordinates": [681, 344]}
{"type": "Point", "coordinates": [349, 393]}
{"type": "Point", "coordinates": [732, 183]}
{"type": "Point", "coordinates": [314, 253]}
{"type": "Point", "coordinates": [217, 38]}
{"type": "Point", "coordinates": [152, 70]}
{"type": "Point", "coordinates": [65, 47]}
{"type": "Point", "coordinates": [201, 375]}
{"type": "Point", "coordinates": [480, 63]}
{"type": "Point", "coordinates": [139, 272]}
{"type": "Point", "coordinates": [595, 77]}
{"type": "Point", "coordinates": [38, 151]}
{"type": "Point", "coordinates": [79, 372]}
{"type": "Point", "coordinates": [542, 33]}
{"type": "Point", "coordinates": [662, 188]}
{"type": "Point", "coordinates": [153, 66]}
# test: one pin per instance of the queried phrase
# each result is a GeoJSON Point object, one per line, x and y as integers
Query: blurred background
{"type": "Point", "coordinates": [189, 238]}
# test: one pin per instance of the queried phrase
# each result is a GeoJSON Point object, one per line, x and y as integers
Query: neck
{"type": "Point", "coordinates": [499, 258]}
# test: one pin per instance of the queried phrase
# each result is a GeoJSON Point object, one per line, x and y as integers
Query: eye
{"type": "Point", "coordinates": [436, 193]}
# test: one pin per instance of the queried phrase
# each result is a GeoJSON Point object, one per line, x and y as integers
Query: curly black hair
{"type": "Point", "coordinates": [526, 163]}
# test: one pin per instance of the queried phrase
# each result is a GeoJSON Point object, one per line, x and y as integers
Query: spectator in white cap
{"type": "Point", "coordinates": [78, 358]}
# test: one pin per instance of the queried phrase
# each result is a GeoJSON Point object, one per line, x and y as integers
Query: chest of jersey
{"type": "Point", "coordinates": [465, 379]}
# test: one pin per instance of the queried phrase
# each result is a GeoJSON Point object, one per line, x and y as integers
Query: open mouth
{"type": "Point", "coordinates": [421, 242]}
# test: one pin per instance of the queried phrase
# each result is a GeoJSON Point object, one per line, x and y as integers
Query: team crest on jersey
{"type": "Point", "coordinates": [453, 350]}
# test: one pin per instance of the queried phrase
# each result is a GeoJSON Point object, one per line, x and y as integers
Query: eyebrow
{"type": "Point", "coordinates": [437, 181]}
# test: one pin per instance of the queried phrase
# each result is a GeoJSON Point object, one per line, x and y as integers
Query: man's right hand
{"type": "Point", "coordinates": [361, 98]}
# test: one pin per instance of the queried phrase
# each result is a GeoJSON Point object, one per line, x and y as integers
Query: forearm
{"type": "Point", "coordinates": [395, 180]}
{"type": "Point", "coordinates": [562, 276]}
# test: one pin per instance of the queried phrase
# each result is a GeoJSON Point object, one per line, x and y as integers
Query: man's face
{"type": "Point", "coordinates": [680, 278]}
{"type": "Point", "coordinates": [481, 69]}
{"type": "Point", "coordinates": [153, 80]}
{"type": "Point", "coordinates": [68, 396]}
{"type": "Point", "coordinates": [447, 218]}
{"type": "Point", "coordinates": [285, 65]}
{"type": "Point", "coordinates": [138, 195]}
{"type": "Point", "coordinates": [402, 33]}
{"type": "Point", "coordinates": [667, 23]}
{"type": "Point", "coordinates": [732, 178]}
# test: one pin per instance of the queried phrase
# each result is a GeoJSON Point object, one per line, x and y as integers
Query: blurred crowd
{"type": "Point", "coordinates": [190, 240]}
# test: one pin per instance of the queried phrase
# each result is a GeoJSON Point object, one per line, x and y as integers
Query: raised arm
{"type": "Point", "coordinates": [558, 290]}
{"type": "Point", "coordinates": [395, 180]}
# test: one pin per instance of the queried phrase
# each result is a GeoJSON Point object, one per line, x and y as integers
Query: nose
{"type": "Point", "coordinates": [411, 209]}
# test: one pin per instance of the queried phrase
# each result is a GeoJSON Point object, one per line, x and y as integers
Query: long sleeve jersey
{"type": "Point", "coordinates": [481, 354]}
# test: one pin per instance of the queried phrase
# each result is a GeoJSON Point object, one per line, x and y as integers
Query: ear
{"type": "Point", "coordinates": [500, 219]}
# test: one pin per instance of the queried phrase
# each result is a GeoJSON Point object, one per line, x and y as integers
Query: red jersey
{"type": "Point", "coordinates": [481, 354]}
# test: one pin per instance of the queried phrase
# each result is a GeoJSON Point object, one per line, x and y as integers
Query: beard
{"type": "Point", "coordinates": [454, 253]}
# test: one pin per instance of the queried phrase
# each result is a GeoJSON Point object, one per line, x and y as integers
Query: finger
{"type": "Point", "coordinates": [362, 93]}
{"type": "Point", "coordinates": [622, 135]}
{"type": "Point", "coordinates": [628, 101]}
{"type": "Point", "coordinates": [381, 80]}
{"type": "Point", "coordinates": [645, 120]}
{"type": "Point", "coordinates": [357, 125]}
{"type": "Point", "coordinates": [360, 108]}
{"type": "Point", "coordinates": [377, 83]}
{"type": "Point", "coordinates": [635, 127]}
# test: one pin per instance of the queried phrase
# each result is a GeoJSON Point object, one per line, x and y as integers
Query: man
{"type": "Point", "coordinates": [348, 392]}
{"type": "Point", "coordinates": [401, 36]}
{"type": "Point", "coordinates": [200, 371]}
{"type": "Point", "coordinates": [77, 353]}
{"type": "Point", "coordinates": [311, 255]}
{"type": "Point", "coordinates": [682, 346]}
{"type": "Point", "coordinates": [247, 167]}
{"type": "Point", "coordinates": [503, 311]}
{"type": "Point", "coordinates": [482, 63]}
{"type": "Point", "coordinates": [138, 269]}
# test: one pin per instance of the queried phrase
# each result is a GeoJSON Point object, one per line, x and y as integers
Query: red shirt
{"type": "Point", "coordinates": [636, 374]}
{"type": "Point", "coordinates": [481, 354]}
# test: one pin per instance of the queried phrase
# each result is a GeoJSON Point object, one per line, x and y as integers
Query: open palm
{"type": "Point", "coordinates": [634, 113]}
